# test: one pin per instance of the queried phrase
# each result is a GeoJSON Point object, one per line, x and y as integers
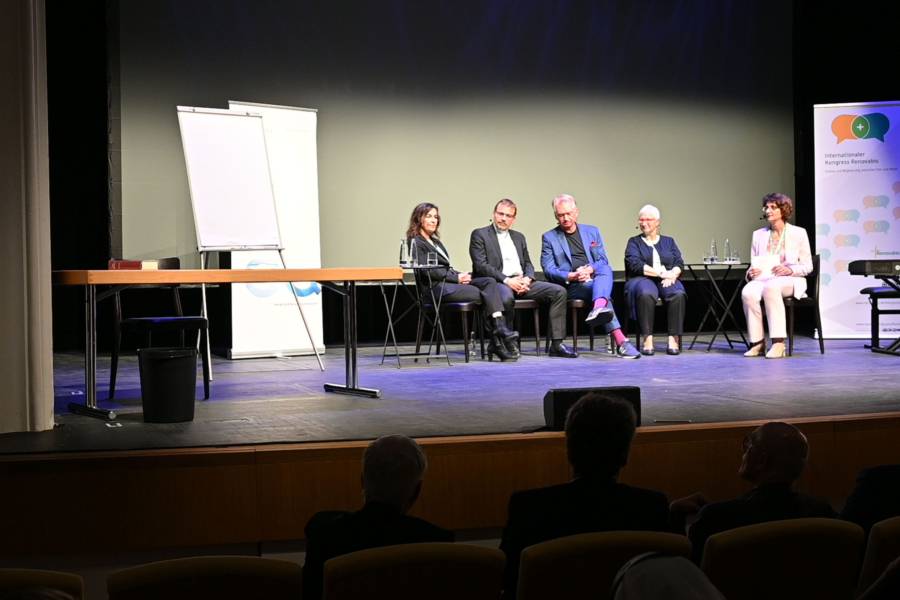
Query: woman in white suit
{"type": "Point", "coordinates": [780, 260]}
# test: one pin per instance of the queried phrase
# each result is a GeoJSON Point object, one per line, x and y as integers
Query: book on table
{"type": "Point", "coordinates": [116, 264]}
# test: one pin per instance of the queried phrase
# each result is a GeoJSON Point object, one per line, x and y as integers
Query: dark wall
{"type": "Point", "coordinates": [836, 61]}
{"type": "Point", "coordinates": [77, 115]}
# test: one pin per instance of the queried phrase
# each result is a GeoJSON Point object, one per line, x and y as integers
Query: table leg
{"type": "Point", "coordinates": [390, 335]}
{"type": "Point", "coordinates": [89, 408]}
{"type": "Point", "coordinates": [351, 387]}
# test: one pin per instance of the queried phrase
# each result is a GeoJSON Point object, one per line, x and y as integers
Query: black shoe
{"type": "Point", "coordinates": [505, 332]}
{"type": "Point", "coordinates": [673, 351]}
{"type": "Point", "coordinates": [600, 316]}
{"type": "Point", "coordinates": [561, 350]}
{"type": "Point", "coordinates": [498, 348]}
{"type": "Point", "coordinates": [648, 352]}
{"type": "Point", "coordinates": [512, 346]}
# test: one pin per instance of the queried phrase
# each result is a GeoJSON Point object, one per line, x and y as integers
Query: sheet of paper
{"type": "Point", "coordinates": [765, 263]}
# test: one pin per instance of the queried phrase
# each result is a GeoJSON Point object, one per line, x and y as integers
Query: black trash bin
{"type": "Point", "coordinates": [168, 383]}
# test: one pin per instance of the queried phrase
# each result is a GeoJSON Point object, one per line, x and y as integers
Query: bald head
{"type": "Point", "coordinates": [774, 452]}
{"type": "Point", "coordinates": [393, 468]}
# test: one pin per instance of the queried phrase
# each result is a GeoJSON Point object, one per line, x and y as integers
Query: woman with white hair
{"type": "Point", "coordinates": [653, 264]}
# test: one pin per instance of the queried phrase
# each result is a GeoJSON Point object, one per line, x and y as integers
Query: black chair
{"type": "Point", "coordinates": [149, 325]}
{"type": "Point", "coordinates": [535, 308]}
{"type": "Point", "coordinates": [464, 309]}
{"type": "Point", "coordinates": [811, 301]}
{"type": "Point", "coordinates": [575, 307]}
{"type": "Point", "coordinates": [876, 293]}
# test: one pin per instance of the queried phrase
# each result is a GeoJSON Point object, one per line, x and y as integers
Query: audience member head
{"type": "Point", "coordinates": [393, 468]}
{"type": "Point", "coordinates": [774, 453]}
{"type": "Point", "coordinates": [417, 219]}
{"type": "Point", "coordinates": [655, 575]}
{"type": "Point", "coordinates": [599, 430]}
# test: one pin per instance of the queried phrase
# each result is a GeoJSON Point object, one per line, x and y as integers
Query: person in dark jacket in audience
{"type": "Point", "coordinates": [599, 430]}
{"type": "Point", "coordinates": [774, 458]}
{"type": "Point", "coordinates": [876, 496]}
{"type": "Point", "coordinates": [393, 468]}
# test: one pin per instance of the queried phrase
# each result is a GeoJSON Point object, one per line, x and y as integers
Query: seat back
{"type": "Point", "coordinates": [220, 577]}
{"type": "Point", "coordinates": [812, 280]}
{"type": "Point", "coordinates": [163, 264]}
{"type": "Point", "coordinates": [585, 565]}
{"type": "Point", "coordinates": [882, 549]}
{"type": "Point", "coordinates": [796, 558]}
{"type": "Point", "coordinates": [437, 571]}
{"type": "Point", "coordinates": [15, 580]}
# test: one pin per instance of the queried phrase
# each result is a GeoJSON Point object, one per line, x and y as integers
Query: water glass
{"type": "Point", "coordinates": [432, 259]}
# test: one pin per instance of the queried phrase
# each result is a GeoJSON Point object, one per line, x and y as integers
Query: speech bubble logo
{"type": "Point", "coordinates": [825, 253]}
{"type": "Point", "coordinates": [876, 201]}
{"type": "Point", "coordinates": [897, 212]}
{"type": "Point", "coordinates": [860, 127]}
{"type": "Point", "coordinates": [842, 128]}
{"type": "Point", "coordinates": [846, 241]}
{"type": "Point", "coordinates": [840, 266]}
{"type": "Point", "coordinates": [825, 278]}
{"type": "Point", "coordinates": [823, 229]}
{"type": "Point", "coordinates": [876, 226]}
{"type": "Point", "coordinates": [842, 216]}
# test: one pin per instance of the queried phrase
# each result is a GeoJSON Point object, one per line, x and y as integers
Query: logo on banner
{"type": "Point", "coordinates": [860, 127]}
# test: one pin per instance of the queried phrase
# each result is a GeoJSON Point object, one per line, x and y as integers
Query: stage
{"type": "Point", "coordinates": [281, 400]}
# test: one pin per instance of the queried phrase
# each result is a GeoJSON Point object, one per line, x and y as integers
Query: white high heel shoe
{"type": "Point", "coordinates": [756, 348]}
{"type": "Point", "coordinates": [776, 350]}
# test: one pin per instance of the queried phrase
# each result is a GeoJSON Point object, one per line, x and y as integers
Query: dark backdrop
{"type": "Point", "coordinates": [833, 61]}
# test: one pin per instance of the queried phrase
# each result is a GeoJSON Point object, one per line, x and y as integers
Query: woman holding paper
{"type": "Point", "coordinates": [780, 259]}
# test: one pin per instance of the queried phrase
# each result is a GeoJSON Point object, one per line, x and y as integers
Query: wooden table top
{"type": "Point", "coordinates": [165, 276]}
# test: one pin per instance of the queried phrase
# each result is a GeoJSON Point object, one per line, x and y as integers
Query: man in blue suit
{"type": "Point", "coordinates": [574, 256]}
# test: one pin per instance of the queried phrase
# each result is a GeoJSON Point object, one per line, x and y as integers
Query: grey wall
{"type": "Point", "coordinates": [687, 107]}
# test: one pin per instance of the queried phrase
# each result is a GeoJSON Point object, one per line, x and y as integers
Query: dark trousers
{"type": "Point", "coordinates": [647, 292]}
{"type": "Point", "coordinates": [545, 293]}
{"type": "Point", "coordinates": [482, 289]}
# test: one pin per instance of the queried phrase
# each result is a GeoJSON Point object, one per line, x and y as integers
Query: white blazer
{"type": "Point", "coordinates": [796, 253]}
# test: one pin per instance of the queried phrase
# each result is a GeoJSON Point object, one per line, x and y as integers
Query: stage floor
{"type": "Point", "coordinates": [259, 401]}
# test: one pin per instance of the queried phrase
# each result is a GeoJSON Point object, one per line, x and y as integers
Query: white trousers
{"type": "Point", "coordinates": [771, 292]}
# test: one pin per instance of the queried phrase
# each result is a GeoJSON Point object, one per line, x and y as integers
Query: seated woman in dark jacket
{"type": "Point", "coordinates": [454, 286]}
{"type": "Point", "coordinates": [653, 265]}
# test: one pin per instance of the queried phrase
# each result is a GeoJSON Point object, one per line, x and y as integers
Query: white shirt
{"type": "Point", "coordinates": [511, 265]}
{"type": "Point", "coordinates": [657, 263]}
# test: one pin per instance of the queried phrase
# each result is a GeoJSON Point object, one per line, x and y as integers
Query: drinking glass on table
{"type": "Point", "coordinates": [432, 259]}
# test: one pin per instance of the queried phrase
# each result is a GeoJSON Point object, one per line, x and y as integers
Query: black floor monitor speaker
{"type": "Point", "coordinates": [557, 402]}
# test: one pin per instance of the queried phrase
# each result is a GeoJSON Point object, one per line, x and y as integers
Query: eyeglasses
{"type": "Point", "coordinates": [647, 220]}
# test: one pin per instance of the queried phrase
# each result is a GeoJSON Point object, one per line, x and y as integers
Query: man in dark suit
{"type": "Point", "coordinates": [875, 497]}
{"type": "Point", "coordinates": [774, 457]}
{"type": "Point", "coordinates": [599, 430]}
{"type": "Point", "coordinates": [393, 467]}
{"type": "Point", "coordinates": [573, 255]}
{"type": "Point", "coordinates": [500, 253]}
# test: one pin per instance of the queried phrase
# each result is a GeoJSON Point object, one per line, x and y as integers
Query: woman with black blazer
{"type": "Point", "coordinates": [653, 265]}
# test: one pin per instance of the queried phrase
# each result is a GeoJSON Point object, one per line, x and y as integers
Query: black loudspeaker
{"type": "Point", "coordinates": [558, 402]}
